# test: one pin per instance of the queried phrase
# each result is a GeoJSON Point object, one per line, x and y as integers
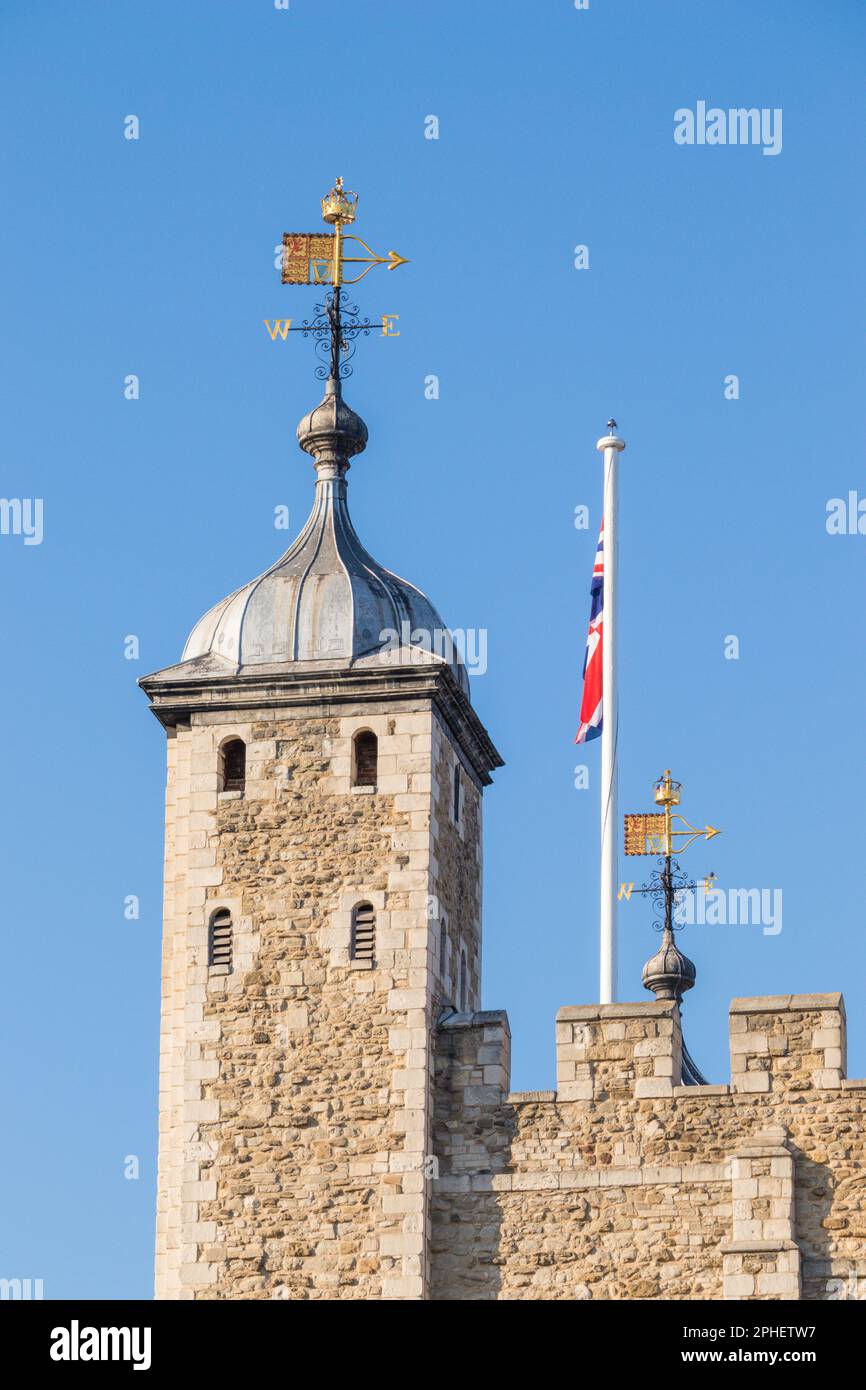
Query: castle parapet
{"type": "Point", "coordinates": [788, 1042]}
{"type": "Point", "coordinates": [474, 1060]}
{"type": "Point", "coordinates": [616, 1050]}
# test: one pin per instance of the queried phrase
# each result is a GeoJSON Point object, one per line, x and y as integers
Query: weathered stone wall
{"type": "Point", "coordinates": [333, 1128]}
{"type": "Point", "coordinates": [622, 1184]}
{"type": "Point", "coordinates": [295, 1112]}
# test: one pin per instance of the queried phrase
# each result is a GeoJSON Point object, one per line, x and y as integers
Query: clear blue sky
{"type": "Point", "coordinates": [155, 257]}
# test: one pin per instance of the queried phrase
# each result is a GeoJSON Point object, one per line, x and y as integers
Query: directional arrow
{"type": "Point", "coordinates": [711, 831]}
{"type": "Point", "coordinates": [391, 261]}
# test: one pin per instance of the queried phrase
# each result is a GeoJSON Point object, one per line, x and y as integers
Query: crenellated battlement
{"type": "Point", "coordinates": [622, 1183]}
{"type": "Point", "coordinates": [788, 1042]}
{"type": "Point", "coordinates": [612, 1050]}
{"type": "Point", "coordinates": [777, 1042]}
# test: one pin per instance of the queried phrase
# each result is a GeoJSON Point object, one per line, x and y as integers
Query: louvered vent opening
{"type": "Point", "coordinates": [366, 759]}
{"type": "Point", "coordinates": [220, 943]}
{"type": "Point", "coordinates": [363, 933]}
{"type": "Point", "coordinates": [234, 765]}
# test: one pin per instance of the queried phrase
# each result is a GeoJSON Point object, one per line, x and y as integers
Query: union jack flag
{"type": "Point", "coordinates": [591, 705]}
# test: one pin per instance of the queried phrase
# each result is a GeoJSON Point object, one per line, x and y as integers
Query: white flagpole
{"type": "Point", "coordinates": [610, 446]}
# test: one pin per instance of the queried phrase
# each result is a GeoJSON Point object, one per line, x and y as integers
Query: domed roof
{"type": "Point", "coordinates": [326, 599]}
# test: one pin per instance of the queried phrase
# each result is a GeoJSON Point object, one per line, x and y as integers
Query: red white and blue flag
{"type": "Point", "coordinates": [591, 705]}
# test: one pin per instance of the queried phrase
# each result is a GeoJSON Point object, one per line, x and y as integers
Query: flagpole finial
{"type": "Point", "coordinates": [611, 440]}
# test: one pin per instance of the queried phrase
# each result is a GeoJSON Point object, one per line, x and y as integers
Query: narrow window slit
{"type": "Point", "coordinates": [363, 932]}
{"type": "Point", "coordinates": [220, 939]}
{"type": "Point", "coordinates": [234, 765]}
{"type": "Point", "coordinates": [366, 759]}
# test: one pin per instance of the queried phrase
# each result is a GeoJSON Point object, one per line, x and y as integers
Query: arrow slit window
{"type": "Point", "coordinates": [233, 766]}
{"type": "Point", "coordinates": [365, 759]}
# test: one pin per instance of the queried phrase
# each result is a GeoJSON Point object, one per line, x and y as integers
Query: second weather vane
{"type": "Point", "coordinates": [668, 973]}
{"type": "Point", "coordinates": [654, 833]}
{"type": "Point", "coordinates": [319, 258]}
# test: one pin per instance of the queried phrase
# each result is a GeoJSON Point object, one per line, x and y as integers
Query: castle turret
{"type": "Point", "coordinates": [322, 908]}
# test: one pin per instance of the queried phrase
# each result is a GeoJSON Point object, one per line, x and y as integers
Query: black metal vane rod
{"type": "Point", "coordinates": [346, 329]}
{"type": "Point", "coordinates": [334, 327]}
{"type": "Point", "coordinates": [667, 884]}
{"type": "Point", "coordinates": [667, 887]}
{"type": "Point", "coordinates": [678, 888]}
{"type": "Point", "coordinates": [335, 320]}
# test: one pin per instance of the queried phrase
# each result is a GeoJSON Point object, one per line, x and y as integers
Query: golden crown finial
{"type": "Point", "coordinates": [667, 791]}
{"type": "Point", "coordinates": [340, 205]}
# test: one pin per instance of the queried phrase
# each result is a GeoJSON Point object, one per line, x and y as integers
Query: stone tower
{"type": "Point", "coordinates": [322, 912]}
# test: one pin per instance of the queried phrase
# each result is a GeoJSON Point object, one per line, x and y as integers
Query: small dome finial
{"type": "Point", "coordinates": [332, 432]}
{"type": "Point", "coordinates": [668, 974]}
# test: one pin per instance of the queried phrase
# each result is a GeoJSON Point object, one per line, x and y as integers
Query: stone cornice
{"type": "Point", "coordinates": [181, 691]}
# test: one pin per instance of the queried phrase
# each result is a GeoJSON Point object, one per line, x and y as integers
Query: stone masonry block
{"type": "Point", "coordinates": [624, 1048]}
{"type": "Point", "coordinates": [795, 1039]}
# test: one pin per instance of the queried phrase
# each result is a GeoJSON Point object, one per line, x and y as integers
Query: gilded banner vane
{"type": "Point", "coordinates": [320, 258]}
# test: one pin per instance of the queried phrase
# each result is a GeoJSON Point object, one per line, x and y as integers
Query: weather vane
{"type": "Point", "coordinates": [669, 973]}
{"type": "Point", "coordinates": [319, 258]}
